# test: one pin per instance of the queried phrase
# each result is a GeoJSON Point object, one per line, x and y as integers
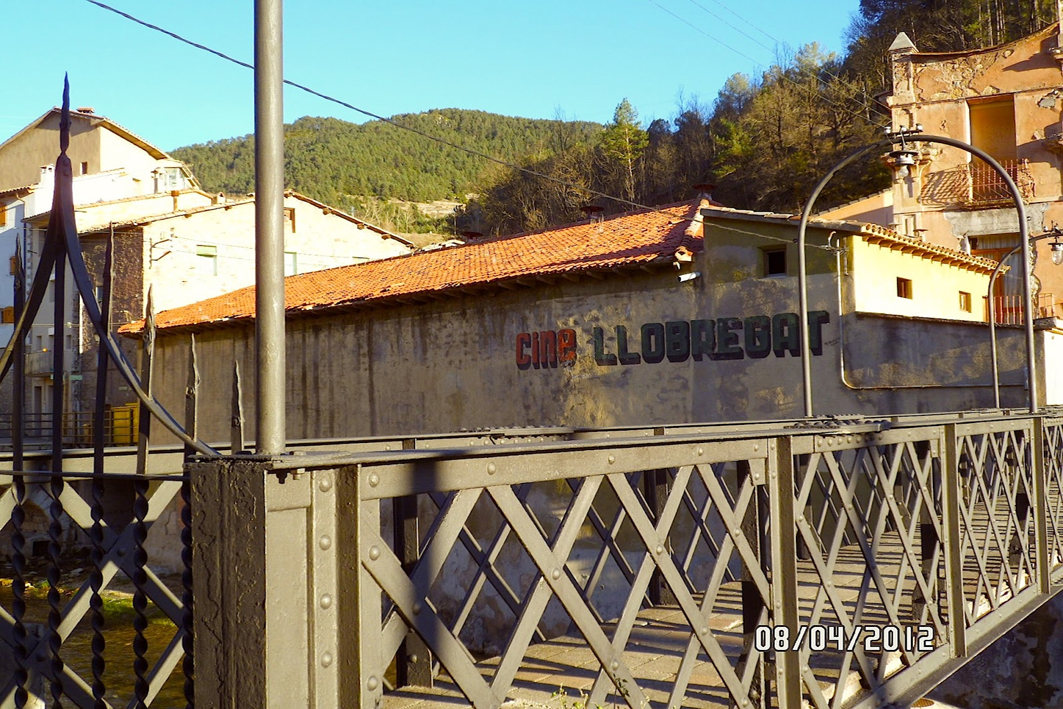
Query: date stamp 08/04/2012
{"type": "Point", "coordinates": [869, 638]}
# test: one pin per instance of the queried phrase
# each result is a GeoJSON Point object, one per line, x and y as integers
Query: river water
{"type": "Point", "coordinates": [118, 634]}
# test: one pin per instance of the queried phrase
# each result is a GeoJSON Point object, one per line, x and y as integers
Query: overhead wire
{"type": "Point", "coordinates": [778, 43]}
{"type": "Point", "coordinates": [370, 114]}
{"type": "Point", "coordinates": [438, 139]}
{"type": "Point", "coordinates": [864, 106]}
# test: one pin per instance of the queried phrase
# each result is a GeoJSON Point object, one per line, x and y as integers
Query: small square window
{"type": "Point", "coordinates": [84, 168]}
{"type": "Point", "coordinates": [774, 261]}
{"type": "Point", "coordinates": [904, 288]}
{"type": "Point", "coordinates": [8, 314]}
{"type": "Point", "coordinates": [965, 302]}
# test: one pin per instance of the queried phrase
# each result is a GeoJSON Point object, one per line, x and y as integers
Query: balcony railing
{"type": "Point", "coordinates": [1008, 310]}
{"type": "Point", "coordinates": [120, 425]}
{"type": "Point", "coordinates": [977, 185]}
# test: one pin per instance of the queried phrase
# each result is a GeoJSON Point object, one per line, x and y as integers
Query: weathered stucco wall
{"type": "Point", "coordinates": [643, 349]}
{"type": "Point", "coordinates": [319, 240]}
{"type": "Point", "coordinates": [935, 286]}
{"type": "Point", "coordinates": [22, 159]}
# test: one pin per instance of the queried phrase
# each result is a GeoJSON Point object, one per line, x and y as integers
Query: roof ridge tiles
{"type": "Point", "coordinates": [647, 236]}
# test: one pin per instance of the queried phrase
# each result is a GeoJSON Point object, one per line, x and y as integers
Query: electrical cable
{"type": "Point", "coordinates": [443, 141]}
{"type": "Point", "coordinates": [782, 74]}
{"type": "Point", "coordinates": [370, 114]}
{"type": "Point", "coordinates": [778, 43]}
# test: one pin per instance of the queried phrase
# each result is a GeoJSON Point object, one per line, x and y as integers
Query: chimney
{"type": "Point", "coordinates": [705, 190]}
{"type": "Point", "coordinates": [86, 109]}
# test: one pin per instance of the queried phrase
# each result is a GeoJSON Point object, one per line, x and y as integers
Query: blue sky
{"type": "Point", "coordinates": [535, 59]}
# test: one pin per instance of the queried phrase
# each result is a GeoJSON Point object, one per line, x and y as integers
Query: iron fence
{"type": "Point", "coordinates": [88, 620]}
{"type": "Point", "coordinates": [77, 428]}
{"type": "Point", "coordinates": [828, 564]}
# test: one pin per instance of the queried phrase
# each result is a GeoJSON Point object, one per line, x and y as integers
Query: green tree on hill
{"type": "Point", "coordinates": [623, 142]}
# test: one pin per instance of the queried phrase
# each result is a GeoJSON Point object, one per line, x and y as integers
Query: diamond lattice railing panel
{"type": "Point", "coordinates": [1053, 480]}
{"type": "Point", "coordinates": [997, 535]}
{"type": "Point", "coordinates": [134, 646]}
{"type": "Point", "coordinates": [870, 562]}
{"type": "Point", "coordinates": [518, 571]}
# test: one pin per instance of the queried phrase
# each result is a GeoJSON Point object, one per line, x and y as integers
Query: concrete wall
{"type": "Point", "coordinates": [935, 286]}
{"type": "Point", "coordinates": [117, 152]}
{"type": "Point", "coordinates": [319, 240]}
{"type": "Point", "coordinates": [22, 159]}
{"type": "Point", "coordinates": [466, 363]}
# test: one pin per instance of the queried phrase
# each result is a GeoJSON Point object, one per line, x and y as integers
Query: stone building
{"type": "Point", "coordinates": [170, 236]}
{"type": "Point", "coordinates": [685, 313]}
{"type": "Point", "coordinates": [1007, 101]}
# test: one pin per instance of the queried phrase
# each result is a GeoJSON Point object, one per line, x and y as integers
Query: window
{"type": "Point", "coordinates": [3, 216]}
{"type": "Point", "coordinates": [289, 214]}
{"type": "Point", "coordinates": [14, 265]}
{"type": "Point", "coordinates": [8, 315]}
{"type": "Point", "coordinates": [84, 168]}
{"type": "Point", "coordinates": [993, 126]}
{"type": "Point", "coordinates": [904, 288]}
{"type": "Point", "coordinates": [774, 261]}
{"type": "Point", "coordinates": [965, 302]}
{"type": "Point", "coordinates": [207, 259]}
{"type": "Point", "coordinates": [291, 263]}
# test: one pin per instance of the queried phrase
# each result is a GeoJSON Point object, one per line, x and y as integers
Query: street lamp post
{"type": "Point", "coordinates": [902, 137]}
{"type": "Point", "coordinates": [1057, 259]}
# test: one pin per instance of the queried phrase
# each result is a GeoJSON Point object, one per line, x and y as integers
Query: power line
{"type": "Point", "coordinates": [782, 74]}
{"type": "Point", "coordinates": [437, 139]}
{"type": "Point", "coordinates": [370, 114]}
{"type": "Point", "coordinates": [777, 41]}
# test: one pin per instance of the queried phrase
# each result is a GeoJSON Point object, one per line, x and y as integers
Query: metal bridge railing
{"type": "Point", "coordinates": [88, 620]}
{"type": "Point", "coordinates": [850, 564]}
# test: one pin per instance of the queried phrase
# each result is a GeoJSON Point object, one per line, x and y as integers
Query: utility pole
{"type": "Point", "coordinates": [269, 228]}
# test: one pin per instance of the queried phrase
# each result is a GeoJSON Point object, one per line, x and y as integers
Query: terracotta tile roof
{"type": "Point", "coordinates": [630, 239]}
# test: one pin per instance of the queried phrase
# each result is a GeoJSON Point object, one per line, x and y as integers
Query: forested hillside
{"type": "Point", "coordinates": [329, 159]}
{"type": "Point", "coordinates": [764, 141]}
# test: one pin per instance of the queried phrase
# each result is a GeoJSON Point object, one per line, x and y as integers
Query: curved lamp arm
{"type": "Point", "coordinates": [802, 276]}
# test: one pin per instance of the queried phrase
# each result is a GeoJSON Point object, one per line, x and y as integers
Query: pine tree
{"type": "Point", "coordinates": [623, 141]}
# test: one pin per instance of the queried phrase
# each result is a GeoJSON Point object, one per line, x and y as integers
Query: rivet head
{"type": "Point", "coordinates": [324, 485]}
{"type": "Point", "coordinates": [374, 480]}
{"type": "Point", "coordinates": [555, 574]}
{"type": "Point", "coordinates": [615, 664]}
{"type": "Point", "coordinates": [326, 601]}
{"type": "Point", "coordinates": [704, 630]}
{"type": "Point", "coordinates": [701, 451]}
{"type": "Point", "coordinates": [417, 607]}
{"type": "Point", "coordinates": [756, 446]}
{"type": "Point", "coordinates": [387, 447]}
{"type": "Point", "coordinates": [660, 549]}
{"type": "Point", "coordinates": [415, 658]}
{"type": "Point", "coordinates": [326, 659]}
{"type": "Point", "coordinates": [612, 459]}
{"type": "Point", "coordinates": [325, 542]}
{"type": "Point", "coordinates": [374, 553]}
{"type": "Point", "coordinates": [372, 683]}
{"type": "Point", "coordinates": [491, 468]}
